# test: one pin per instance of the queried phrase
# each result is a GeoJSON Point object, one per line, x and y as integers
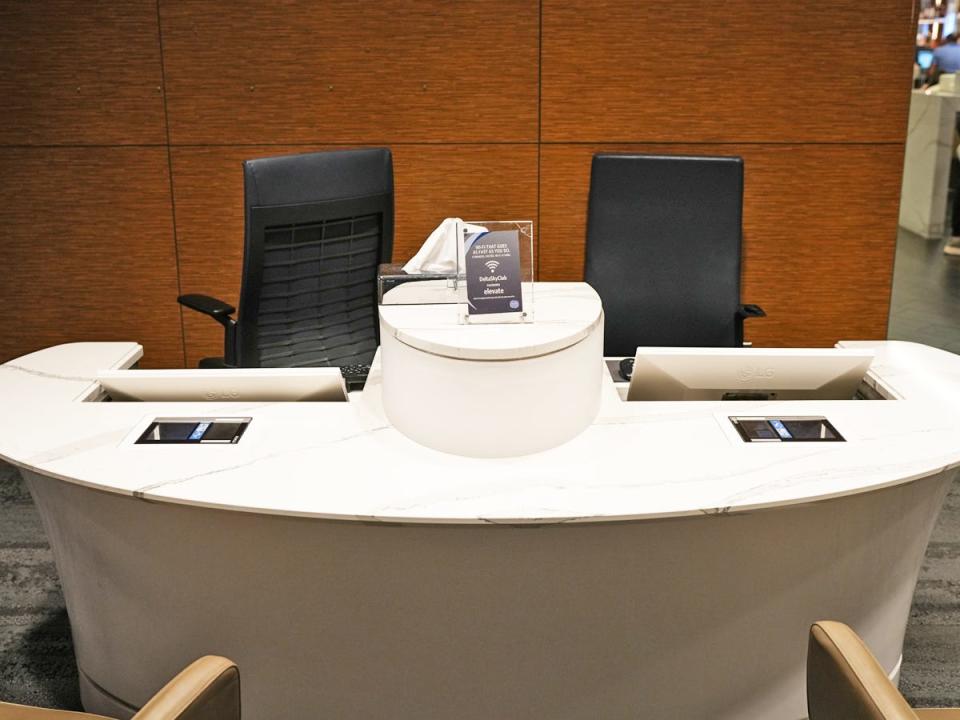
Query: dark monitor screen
{"type": "Point", "coordinates": [924, 58]}
{"type": "Point", "coordinates": [787, 429]}
{"type": "Point", "coordinates": [175, 431]}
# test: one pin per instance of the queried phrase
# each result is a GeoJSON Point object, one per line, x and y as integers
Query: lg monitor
{"type": "Point", "coordinates": [682, 373]}
{"type": "Point", "coordinates": [232, 385]}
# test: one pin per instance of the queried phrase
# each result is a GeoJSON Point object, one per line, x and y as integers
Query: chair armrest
{"type": "Point", "coordinates": [750, 311]}
{"type": "Point", "coordinates": [844, 679]}
{"type": "Point", "coordinates": [744, 312]}
{"type": "Point", "coordinates": [13, 711]}
{"type": "Point", "coordinates": [217, 309]}
{"type": "Point", "coordinates": [208, 689]}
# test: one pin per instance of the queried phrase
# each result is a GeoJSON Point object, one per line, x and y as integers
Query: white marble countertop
{"type": "Point", "coordinates": [343, 460]}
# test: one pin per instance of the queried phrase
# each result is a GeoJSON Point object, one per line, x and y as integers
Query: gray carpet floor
{"type": "Point", "coordinates": [925, 302]}
{"type": "Point", "coordinates": [36, 654]}
{"type": "Point", "coordinates": [931, 652]}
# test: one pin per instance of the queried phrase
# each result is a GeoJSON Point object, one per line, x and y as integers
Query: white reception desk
{"type": "Point", "coordinates": [653, 566]}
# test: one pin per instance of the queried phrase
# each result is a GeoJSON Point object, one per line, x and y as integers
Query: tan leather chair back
{"type": "Point", "coordinates": [845, 681]}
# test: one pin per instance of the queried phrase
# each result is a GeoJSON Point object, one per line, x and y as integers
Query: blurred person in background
{"type": "Point", "coordinates": [946, 58]}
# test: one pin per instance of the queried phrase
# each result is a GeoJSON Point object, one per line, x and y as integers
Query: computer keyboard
{"type": "Point", "coordinates": [355, 375]}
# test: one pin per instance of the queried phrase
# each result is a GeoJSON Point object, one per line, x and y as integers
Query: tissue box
{"type": "Point", "coordinates": [395, 287]}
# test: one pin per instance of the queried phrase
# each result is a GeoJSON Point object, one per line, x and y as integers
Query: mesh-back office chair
{"type": "Point", "coordinates": [208, 689]}
{"type": "Point", "coordinates": [663, 251]}
{"type": "Point", "coordinates": [845, 681]}
{"type": "Point", "coordinates": [317, 226]}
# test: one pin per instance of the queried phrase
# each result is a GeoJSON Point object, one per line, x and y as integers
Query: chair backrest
{"type": "Point", "coordinates": [663, 249]}
{"type": "Point", "coordinates": [317, 226]}
{"type": "Point", "coordinates": [845, 681]}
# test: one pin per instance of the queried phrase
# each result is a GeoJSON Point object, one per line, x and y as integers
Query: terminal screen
{"type": "Point", "coordinates": [193, 431]}
{"type": "Point", "coordinates": [784, 429]}
{"type": "Point", "coordinates": [171, 431]}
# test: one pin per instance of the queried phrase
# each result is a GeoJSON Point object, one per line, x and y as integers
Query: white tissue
{"type": "Point", "coordinates": [438, 254]}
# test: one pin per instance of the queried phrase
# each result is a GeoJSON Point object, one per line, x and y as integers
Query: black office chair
{"type": "Point", "coordinates": [663, 251]}
{"type": "Point", "coordinates": [317, 226]}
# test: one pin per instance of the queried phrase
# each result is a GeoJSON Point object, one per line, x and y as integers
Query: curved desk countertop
{"type": "Point", "coordinates": [653, 566]}
{"type": "Point", "coordinates": [638, 460]}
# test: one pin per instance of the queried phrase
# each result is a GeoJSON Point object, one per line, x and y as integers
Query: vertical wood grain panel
{"type": "Point", "coordinates": [351, 71]}
{"type": "Point", "coordinates": [474, 182]}
{"type": "Point", "coordinates": [88, 252]}
{"type": "Point", "coordinates": [817, 104]}
{"type": "Point", "coordinates": [741, 70]}
{"type": "Point", "coordinates": [819, 233]}
{"type": "Point", "coordinates": [431, 182]}
{"type": "Point", "coordinates": [80, 72]}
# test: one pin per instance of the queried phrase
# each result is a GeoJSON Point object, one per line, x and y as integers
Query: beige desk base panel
{"type": "Point", "coordinates": [685, 618]}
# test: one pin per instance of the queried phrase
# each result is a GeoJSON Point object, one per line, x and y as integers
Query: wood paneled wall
{"type": "Point", "coordinates": [125, 122]}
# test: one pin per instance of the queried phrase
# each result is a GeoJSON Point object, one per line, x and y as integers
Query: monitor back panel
{"type": "Point", "coordinates": [778, 374]}
{"type": "Point", "coordinates": [239, 385]}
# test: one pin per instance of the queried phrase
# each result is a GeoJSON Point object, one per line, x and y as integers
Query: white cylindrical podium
{"type": "Point", "coordinates": [494, 390]}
